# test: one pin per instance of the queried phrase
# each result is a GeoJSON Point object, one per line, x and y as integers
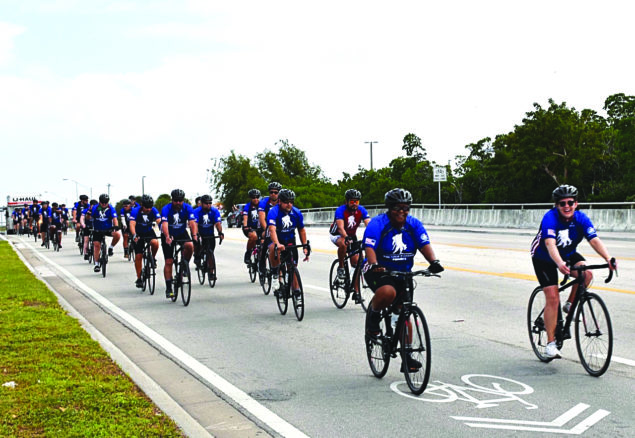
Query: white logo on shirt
{"type": "Point", "coordinates": [351, 221]}
{"type": "Point", "coordinates": [286, 221]}
{"type": "Point", "coordinates": [397, 244]}
{"type": "Point", "coordinates": [177, 219]}
{"type": "Point", "coordinates": [102, 215]}
{"type": "Point", "coordinates": [145, 218]}
{"type": "Point", "coordinates": [254, 215]}
{"type": "Point", "coordinates": [563, 238]}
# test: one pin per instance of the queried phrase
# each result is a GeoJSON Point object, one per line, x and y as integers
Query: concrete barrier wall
{"type": "Point", "coordinates": [603, 219]}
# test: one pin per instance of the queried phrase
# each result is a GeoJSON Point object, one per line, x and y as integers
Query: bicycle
{"type": "Point", "coordinates": [342, 290]}
{"type": "Point", "coordinates": [408, 336]}
{"type": "Point", "coordinates": [207, 263]}
{"type": "Point", "coordinates": [288, 272]}
{"type": "Point", "coordinates": [103, 253]}
{"type": "Point", "coordinates": [264, 269]}
{"type": "Point", "coordinates": [593, 330]}
{"type": "Point", "coordinates": [254, 261]}
{"type": "Point", "coordinates": [182, 278]}
{"type": "Point", "coordinates": [53, 237]}
{"type": "Point", "coordinates": [148, 266]}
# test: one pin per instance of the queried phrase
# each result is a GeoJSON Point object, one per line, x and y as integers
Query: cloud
{"type": "Point", "coordinates": [8, 33]}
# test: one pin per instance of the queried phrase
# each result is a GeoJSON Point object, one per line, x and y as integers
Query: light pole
{"type": "Point", "coordinates": [371, 152]}
{"type": "Point", "coordinates": [76, 193]}
{"type": "Point", "coordinates": [143, 190]}
{"type": "Point", "coordinates": [108, 189]}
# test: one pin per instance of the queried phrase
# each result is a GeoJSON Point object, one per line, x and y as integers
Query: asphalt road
{"type": "Point", "coordinates": [289, 378]}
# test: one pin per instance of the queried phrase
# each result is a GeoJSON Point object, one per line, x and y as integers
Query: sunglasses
{"type": "Point", "coordinates": [354, 201]}
{"type": "Point", "coordinates": [563, 203]}
{"type": "Point", "coordinates": [397, 208]}
{"type": "Point", "coordinates": [287, 202]}
{"type": "Point", "coordinates": [273, 192]}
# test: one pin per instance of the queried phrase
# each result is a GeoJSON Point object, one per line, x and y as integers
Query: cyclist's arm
{"type": "Point", "coordinates": [133, 226]}
{"type": "Point", "coordinates": [115, 222]}
{"type": "Point", "coordinates": [371, 260]}
{"type": "Point", "coordinates": [262, 219]}
{"type": "Point", "coordinates": [166, 232]}
{"type": "Point", "coordinates": [274, 236]}
{"type": "Point", "coordinates": [428, 253]}
{"type": "Point", "coordinates": [555, 256]}
{"type": "Point", "coordinates": [599, 248]}
{"type": "Point", "coordinates": [193, 228]}
{"type": "Point", "coordinates": [302, 234]}
{"type": "Point", "coordinates": [340, 227]}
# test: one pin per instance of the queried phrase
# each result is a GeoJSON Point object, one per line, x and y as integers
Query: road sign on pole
{"type": "Point", "coordinates": [439, 175]}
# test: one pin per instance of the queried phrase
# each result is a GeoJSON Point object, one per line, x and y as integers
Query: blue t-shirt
{"type": "Point", "coordinates": [103, 217]}
{"type": "Point", "coordinates": [45, 212]}
{"type": "Point", "coordinates": [395, 248]}
{"type": "Point", "coordinates": [88, 219]}
{"type": "Point", "coordinates": [56, 216]}
{"type": "Point", "coordinates": [251, 211]}
{"type": "Point", "coordinates": [567, 234]}
{"type": "Point", "coordinates": [285, 223]}
{"type": "Point", "coordinates": [207, 220]}
{"type": "Point", "coordinates": [143, 221]}
{"type": "Point", "coordinates": [126, 215]}
{"type": "Point", "coordinates": [177, 220]}
{"type": "Point", "coordinates": [35, 210]}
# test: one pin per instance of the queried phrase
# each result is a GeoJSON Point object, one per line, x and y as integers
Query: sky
{"type": "Point", "coordinates": [95, 95]}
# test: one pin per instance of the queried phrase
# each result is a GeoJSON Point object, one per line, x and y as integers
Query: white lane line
{"type": "Point", "coordinates": [237, 395]}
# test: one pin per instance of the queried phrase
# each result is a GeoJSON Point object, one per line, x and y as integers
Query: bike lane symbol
{"type": "Point", "coordinates": [486, 391]}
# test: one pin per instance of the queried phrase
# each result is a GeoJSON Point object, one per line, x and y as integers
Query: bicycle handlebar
{"type": "Point", "coordinates": [424, 272]}
{"type": "Point", "coordinates": [583, 268]}
{"type": "Point", "coordinates": [302, 245]}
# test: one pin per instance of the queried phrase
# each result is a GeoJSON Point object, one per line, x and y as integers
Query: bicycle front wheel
{"type": "Point", "coordinates": [186, 283]}
{"type": "Point", "coordinates": [536, 324]}
{"type": "Point", "coordinates": [378, 349]}
{"type": "Point", "coordinates": [415, 350]}
{"type": "Point", "coordinates": [211, 273]}
{"type": "Point", "coordinates": [365, 292]}
{"type": "Point", "coordinates": [265, 277]}
{"type": "Point", "coordinates": [103, 260]}
{"type": "Point", "coordinates": [282, 295]}
{"type": "Point", "coordinates": [339, 294]}
{"type": "Point", "coordinates": [253, 266]}
{"type": "Point", "coordinates": [594, 335]}
{"type": "Point", "coordinates": [298, 296]}
{"type": "Point", "coordinates": [201, 269]}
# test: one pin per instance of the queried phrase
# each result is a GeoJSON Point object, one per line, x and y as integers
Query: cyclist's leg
{"type": "Point", "coordinates": [340, 242]}
{"type": "Point", "coordinates": [578, 260]}
{"type": "Point", "coordinates": [188, 250]}
{"type": "Point", "coordinates": [385, 290]}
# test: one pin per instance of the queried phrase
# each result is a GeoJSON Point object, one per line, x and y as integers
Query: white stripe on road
{"type": "Point", "coordinates": [237, 395]}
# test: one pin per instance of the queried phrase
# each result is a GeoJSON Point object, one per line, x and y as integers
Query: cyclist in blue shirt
{"type": "Point", "coordinates": [24, 216]}
{"type": "Point", "coordinates": [283, 220]}
{"type": "Point", "coordinates": [265, 205]}
{"type": "Point", "coordinates": [125, 213]}
{"type": "Point", "coordinates": [86, 225]}
{"type": "Point", "coordinates": [76, 214]}
{"type": "Point", "coordinates": [250, 222]}
{"type": "Point", "coordinates": [56, 222]}
{"type": "Point", "coordinates": [207, 218]}
{"type": "Point", "coordinates": [175, 217]}
{"type": "Point", "coordinates": [392, 240]}
{"type": "Point", "coordinates": [34, 216]}
{"type": "Point", "coordinates": [348, 217]}
{"type": "Point", "coordinates": [143, 223]}
{"type": "Point", "coordinates": [555, 249]}
{"type": "Point", "coordinates": [105, 223]}
{"type": "Point", "coordinates": [64, 211]}
{"type": "Point", "coordinates": [15, 215]}
{"type": "Point", "coordinates": [44, 214]}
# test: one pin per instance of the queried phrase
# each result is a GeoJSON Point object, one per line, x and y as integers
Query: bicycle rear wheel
{"type": "Point", "coordinates": [365, 292]}
{"type": "Point", "coordinates": [211, 273]}
{"type": "Point", "coordinates": [594, 335]}
{"type": "Point", "coordinates": [415, 349]}
{"type": "Point", "coordinates": [339, 292]}
{"type": "Point", "coordinates": [201, 269]}
{"type": "Point", "coordinates": [298, 296]}
{"type": "Point", "coordinates": [536, 324]}
{"type": "Point", "coordinates": [378, 348]}
{"type": "Point", "coordinates": [186, 282]}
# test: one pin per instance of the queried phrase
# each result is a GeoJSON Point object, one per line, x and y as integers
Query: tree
{"type": "Point", "coordinates": [232, 177]}
{"type": "Point", "coordinates": [162, 201]}
{"type": "Point", "coordinates": [413, 148]}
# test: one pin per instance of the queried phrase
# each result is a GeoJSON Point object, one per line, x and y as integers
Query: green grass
{"type": "Point", "coordinates": [66, 385]}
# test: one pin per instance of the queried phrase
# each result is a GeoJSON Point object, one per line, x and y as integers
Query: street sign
{"type": "Point", "coordinates": [439, 174]}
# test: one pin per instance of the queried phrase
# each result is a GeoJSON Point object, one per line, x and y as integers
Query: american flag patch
{"type": "Point", "coordinates": [369, 241]}
{"type": "Point", "coordinates": [551, 232]}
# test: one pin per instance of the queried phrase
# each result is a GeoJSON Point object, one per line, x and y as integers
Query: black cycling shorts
{"type": "Point", "coordinates": [138, 246]}
{"type": "Point", "coordinates": [168, 250]}
{"type": "Point", "coordinates": [547, 272]}
{"type": "Point", "coordinates": [375, 280]}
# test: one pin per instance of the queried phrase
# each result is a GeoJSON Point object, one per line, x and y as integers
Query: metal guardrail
{"type": "Point", "coordinates": [546, 205]}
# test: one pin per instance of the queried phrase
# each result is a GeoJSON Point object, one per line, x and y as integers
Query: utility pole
{"type": "Point", "coordinates": [371, 152]}
{"type": "Point", "coordinates": [109, 190]}
{"type": "Point", "coordinates": [143, 190]}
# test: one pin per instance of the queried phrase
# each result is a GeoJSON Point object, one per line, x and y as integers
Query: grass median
{"type": "Point", "coordinates": [56, 380]}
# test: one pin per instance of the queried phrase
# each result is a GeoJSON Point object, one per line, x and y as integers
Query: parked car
{"type": "Point", "coordinates": [234, 217]}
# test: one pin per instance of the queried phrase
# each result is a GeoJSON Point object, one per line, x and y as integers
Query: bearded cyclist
{"type": "Point", "coordinates": [250, 222]}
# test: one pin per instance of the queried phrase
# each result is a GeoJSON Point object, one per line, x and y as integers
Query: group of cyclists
{"type": "Point", "coordinates": [390, 239]}
{"type": "Point", "coordinates": [41, 219]}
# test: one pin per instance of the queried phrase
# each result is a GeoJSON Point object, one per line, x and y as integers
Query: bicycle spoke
{"type": "Point", "coordinates": [594, 335]}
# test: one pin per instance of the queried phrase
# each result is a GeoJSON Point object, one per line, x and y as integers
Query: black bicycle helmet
{"type": "Point", "coordinates": [286, 195]}
{"type": "Point", "coordinates": [93, 202]}
{"type": "Point", "coordinates": [126, 202]}
{"type": "Point", "coordinates": [353, 194]}
{"type": "Point", "coordinates": [397, 196]}
{"type": "Point", "coordinates": [275, 186]}
{"type": "Point", "coordinates": [147, 201]}
{"type": "Point", "coordinates": [177, 195]}
{"type": "Point", "coordinates": [83, 197]}
{"type": "Point", "coordinates": [133, 198]}
{"type": "Point", "coordinates": [564, 191]}
{"type": "Point", "coordinates": [206, 199]}
{"type": "Point", "coordinates": [54, 205]}
{"type": "Point", "coordinates": [104, 198]}
{"type": "Point", "coordinates": [254, 193]}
